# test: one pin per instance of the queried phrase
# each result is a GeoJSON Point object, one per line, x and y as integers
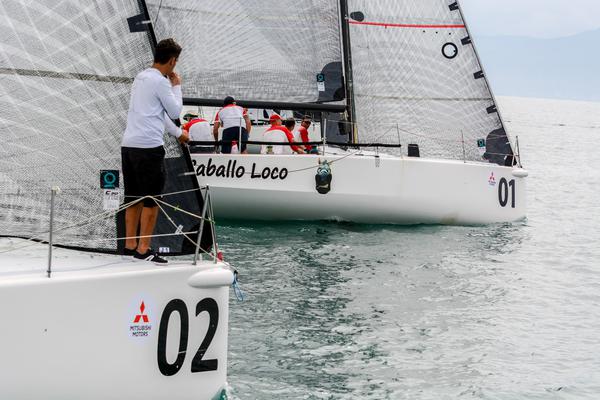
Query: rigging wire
{"type": "Point", "coordinates": [157, 13]}
{"type": "Point", "coordinates": [35, 239]}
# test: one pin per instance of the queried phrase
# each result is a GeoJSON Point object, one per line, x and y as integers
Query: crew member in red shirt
{"type": "Point", "coordinates": [290, 124]}
{"type": "Point", "coordinates": [279, 133]}
{"type": "Point", "coordinates": [303, 131]}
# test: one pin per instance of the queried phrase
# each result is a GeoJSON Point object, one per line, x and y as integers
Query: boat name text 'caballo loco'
{"type": "Point", "coordinates": [232, 170]}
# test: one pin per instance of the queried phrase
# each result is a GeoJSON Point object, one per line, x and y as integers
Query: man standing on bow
{"type": "Point", "coordinates": [156, 99]}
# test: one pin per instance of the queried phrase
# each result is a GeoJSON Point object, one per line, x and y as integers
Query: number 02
{"type": "Point", "coordinates": [198, 363]}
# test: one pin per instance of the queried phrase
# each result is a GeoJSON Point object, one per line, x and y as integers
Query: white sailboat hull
{"type": "Point", "coordinates": [85, 335]}
{"type": "Point", "coordinates": [365, 188]}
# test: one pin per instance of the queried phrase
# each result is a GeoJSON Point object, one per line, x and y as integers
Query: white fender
{"type": "Point", "coordinates": [208, 278]}
{"type": "Point", "coordinates": [520, 173]}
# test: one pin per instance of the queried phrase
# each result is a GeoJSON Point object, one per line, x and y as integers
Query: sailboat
{"type": "Point", "coordinates": [78, 319]}
{"type": "Point", "coordinates": [410, 132]}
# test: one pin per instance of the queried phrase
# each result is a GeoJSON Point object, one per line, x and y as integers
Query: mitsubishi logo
{"type": "Point", "coordinates": [141, 315]}
{"type": "Point", "coordinates": [492, 180]}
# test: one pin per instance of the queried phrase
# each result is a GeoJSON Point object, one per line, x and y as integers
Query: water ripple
{"type": "Point", "coordinates": [507, 311]}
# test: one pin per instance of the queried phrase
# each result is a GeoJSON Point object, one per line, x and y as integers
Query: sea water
{"type": "Point", "coordinates": [507, 311]}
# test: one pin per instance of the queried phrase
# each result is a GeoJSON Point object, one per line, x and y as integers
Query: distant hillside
{"type": "Point", "coordinates": [566, 68]}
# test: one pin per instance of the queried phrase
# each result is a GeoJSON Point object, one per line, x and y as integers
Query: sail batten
{"type": "Point", "coordinates": [65, 75]}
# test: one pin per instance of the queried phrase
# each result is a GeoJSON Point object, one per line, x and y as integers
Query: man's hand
{"type": "Point", "coordinates": [175, 79]}
{"type": "Point", "coordinates": [248, 122]}
{"type": "Point", "coordinates": [216, 130]}
{"type": "Point", "coordinates": [184, 137]}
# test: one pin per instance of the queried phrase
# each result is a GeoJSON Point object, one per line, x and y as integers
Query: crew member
{"type": "Point", "coordinates": [280, 134]}
{"type": "Point", "coordinates": [155, 99]}
{"type": "Point", "coordinates": [303, 131]}
{"type": "Point", "coordinates": [236, 125]}
{"type": "Point", "coordinates": [290, 124]}
{"type": "Point", "coordinates": [199, 131]}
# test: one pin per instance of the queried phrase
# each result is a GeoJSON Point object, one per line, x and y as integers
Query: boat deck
{"type": "Point", "coordinates": [23, 259]}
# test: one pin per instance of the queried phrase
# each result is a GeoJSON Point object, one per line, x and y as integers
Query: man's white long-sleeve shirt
{"type": "Point", "coordinates": [154, 101]}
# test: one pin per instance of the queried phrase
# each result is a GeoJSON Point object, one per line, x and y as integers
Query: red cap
{"type": "Point", "coordinates": [274, 117]}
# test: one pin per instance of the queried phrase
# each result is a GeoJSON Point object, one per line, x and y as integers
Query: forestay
{"type": "Point", "coordinates": [417, 79]}
{"type": "Point", "coordinates": [264, 50]}
{"type": "Point", "coordinates": [66, 69]}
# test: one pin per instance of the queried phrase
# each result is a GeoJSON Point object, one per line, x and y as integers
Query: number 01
{"type": "Point", "coordinates": [503, 191]}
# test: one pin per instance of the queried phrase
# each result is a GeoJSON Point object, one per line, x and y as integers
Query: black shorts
{"type": "Point", "coordinates": [231, 134]}
{"type": "Point", "coordinates": [143, 173]}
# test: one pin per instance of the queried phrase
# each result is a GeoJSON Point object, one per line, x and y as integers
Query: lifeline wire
{"type": "Point", "coordinates": [98, 217]}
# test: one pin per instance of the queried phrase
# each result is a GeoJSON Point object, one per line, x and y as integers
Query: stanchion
{"type": "Point", "coordinates": [53, 192]}
{"type": "Point", "coordinates": [201, 227]}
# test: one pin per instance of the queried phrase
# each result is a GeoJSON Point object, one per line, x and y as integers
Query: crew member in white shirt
{"type": "Point", "coordinates": [236, 125]}
{"type": "Point", "coordinates": [155, 99]}
{"type": "Point", "coordinates": [200, 131]}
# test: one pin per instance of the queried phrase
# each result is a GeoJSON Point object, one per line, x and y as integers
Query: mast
{"type": "Point", "coordinates": [347, 58]}
{"type": "Point", "coordinates": [148, 23]}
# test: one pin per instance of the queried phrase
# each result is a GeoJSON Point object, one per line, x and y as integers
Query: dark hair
{"type": "Point", "coordinates": [290, 123]}
{"type": "Point", "coordinates": [228, 100]}
{"type": "Point", "coordinates": [165, 50]}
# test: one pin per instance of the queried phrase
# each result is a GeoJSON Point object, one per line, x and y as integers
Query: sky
{"type": "Point", "coordinates": [533, 18]}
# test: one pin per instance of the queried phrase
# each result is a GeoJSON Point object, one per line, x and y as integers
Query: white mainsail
{"type": "Point", "coordinates": [417, 79]}
{"type": "Point", "coordinates": [268, 50]}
